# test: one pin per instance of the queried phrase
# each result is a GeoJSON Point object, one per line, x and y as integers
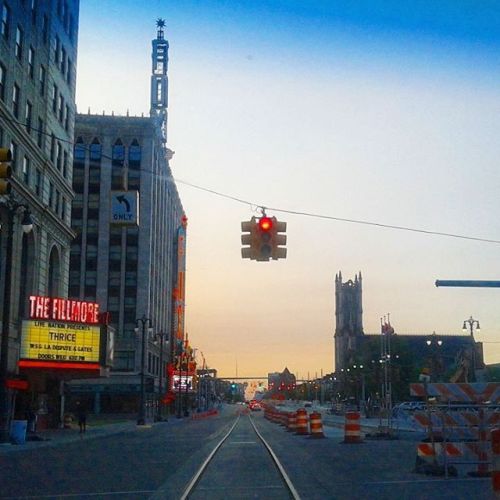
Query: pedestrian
{"type": "Point", "coordinates": [82, 417]}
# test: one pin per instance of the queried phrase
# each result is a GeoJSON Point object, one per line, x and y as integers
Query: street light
{"type": "Point", "coordinates": [12, 208]}
{"type": "Point", "coordinates": [160, 336]}
{"type": "Point", "coordinates": [141, 419]}
{"type": "Point", "coordinates": [434, 343]}
{"type": "Point", "coordinates": [471, 322]}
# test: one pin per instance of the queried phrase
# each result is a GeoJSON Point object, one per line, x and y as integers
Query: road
{"type": "Point", "coordinates": [158, 462]}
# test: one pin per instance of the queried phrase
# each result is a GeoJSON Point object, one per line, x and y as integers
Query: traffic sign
{"type": "Point", "coordinates": [125, 208]}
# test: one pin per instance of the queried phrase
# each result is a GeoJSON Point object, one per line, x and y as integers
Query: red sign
{"type": "Point", "coordinates": [15, 383]}
{"type": "Point", "coordinates": [54, 308]}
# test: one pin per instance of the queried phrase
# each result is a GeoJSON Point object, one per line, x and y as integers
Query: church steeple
{"type": "Point", "coordinates": [159, 78]}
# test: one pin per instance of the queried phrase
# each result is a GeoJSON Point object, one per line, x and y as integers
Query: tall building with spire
{"type": "Point", "coordinates": [130, 237]}
{"type": "Point", "coordinates": [348, 319]}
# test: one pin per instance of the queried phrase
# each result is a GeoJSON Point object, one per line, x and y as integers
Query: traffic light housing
{"type": "Point", "coordinates": [265, 239]}
{"type": "Point", "coordinates": [5, 171]}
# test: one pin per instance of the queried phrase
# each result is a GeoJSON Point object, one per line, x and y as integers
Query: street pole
{"type": "Point", "coordinates": [4, 355]}
{"type": "Point", "coordinates": [5, 399]}
{"type": "Point", "coordinates": [141, 420]}
{"type": "Point", "coordinates": [472, 322]}
{"type": "Point", "coordinates": [161, 336]}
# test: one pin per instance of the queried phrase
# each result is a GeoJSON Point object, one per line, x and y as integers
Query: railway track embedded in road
{"type": "Point", "coordinates": [207, 476]}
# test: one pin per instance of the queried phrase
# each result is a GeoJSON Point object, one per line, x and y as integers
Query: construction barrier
{"type": "Point", "coordinates": [316, 425]}
{"type": "Point", "coordinates": [302, 419]}
{"type": "Point", "coordinates": [459, 392]}
{"type": "Point", "coordinates": [495, 462]}
{"type": "Point", "coordinates": [482, 465]}
{"type": "Point", "coordinates": [292, 422]}
{"type": "Point", "coordinates": [352, 427]}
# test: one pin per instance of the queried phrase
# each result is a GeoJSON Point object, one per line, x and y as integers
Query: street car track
{"type": "Point", "coordinates": [191, 487]}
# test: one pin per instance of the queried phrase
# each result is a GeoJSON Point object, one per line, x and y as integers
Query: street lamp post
{"type": "Point", "coordinates": [434, 343]}
{"type": "Point", "coordinates": [141, 419]}
{"type": "Point", "coordinates": [161, 337]}
{"type": "Point", "coordinates": [13, 207]}
{"type": "Point", "coordinates": [471, 322]}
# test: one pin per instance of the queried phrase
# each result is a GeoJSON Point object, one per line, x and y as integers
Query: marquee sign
{"type": "Point", "coordinates": [54, 308]}
{"type": "Point", "coordinates": [60, 342]}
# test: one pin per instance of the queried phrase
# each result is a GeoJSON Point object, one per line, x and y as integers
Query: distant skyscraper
{"type": "Point", "coordinates": [130, 270]}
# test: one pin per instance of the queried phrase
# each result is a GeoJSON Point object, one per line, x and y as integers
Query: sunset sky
{"type": "Point", "coordinates": [381, 111]}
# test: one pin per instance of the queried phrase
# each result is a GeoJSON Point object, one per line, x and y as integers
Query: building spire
{"type": "Point", "coordinates": [159, 79]}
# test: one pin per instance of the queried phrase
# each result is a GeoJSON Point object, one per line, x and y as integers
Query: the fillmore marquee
{"type": "Point", "coordinates": [62, 339]}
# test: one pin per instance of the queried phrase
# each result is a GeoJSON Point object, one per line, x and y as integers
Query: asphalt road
{"type": "Point", "coordinates": [158, 462]}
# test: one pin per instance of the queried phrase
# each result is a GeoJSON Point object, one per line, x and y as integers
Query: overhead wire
{"type": "Point", "coordinates": [253, 205]}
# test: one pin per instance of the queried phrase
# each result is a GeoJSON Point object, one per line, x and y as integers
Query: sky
{"type": "Point", "coordinates": [376, 111]}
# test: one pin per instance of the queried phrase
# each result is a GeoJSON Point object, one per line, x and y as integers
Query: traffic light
{"type": "Point", "coordinates": [250, 239]}
{"type": "Point", "coordinates": [5, 171]}
{"type": "Point", "coordinates": [264, 239]}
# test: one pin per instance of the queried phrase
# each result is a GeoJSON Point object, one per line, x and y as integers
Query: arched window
{"type": "Point", "coordinates": [118, 154]}
{"type": "Point", "coordinates": [54, 274]}
{"type": "Point", "coordinates": [95, 150]}
{"type": "Point", "coordinates": [79, 152]}
{"type": "Point", "coordinates": [134, 153]}
{"type": "Point", "coordinates": [118, 157]}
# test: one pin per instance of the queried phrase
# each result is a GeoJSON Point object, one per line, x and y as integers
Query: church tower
{"type": "Point", "coordinates": [159, 78]}
{"type": "Point", "coordinates": [348, 319]}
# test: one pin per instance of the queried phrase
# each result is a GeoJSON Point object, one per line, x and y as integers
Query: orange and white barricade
{"type": "Point", "coordinates": [292, 422]}
{"type": "Point", "coordinates": [302, 419]}
{"type": "Point", "coordinates": [352, 427]}
{"type": "Point", "coordinates": [316, 425]}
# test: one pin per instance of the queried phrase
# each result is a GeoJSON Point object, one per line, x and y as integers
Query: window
{"type": "Point", "coordinates": [51, 194]}
{"type": "Point", "coordinates": [71, 29]}
{"type": "Point", "coordinates": [57, 201]}
{"type": "Point", "coordinates": [2, 81]}
{"type": "Point", "coordinates": [54, 98]}
{"type": "Point", "coordinates": [63, 209]}
{"type": "Point", "coordinates": [60, 108]}
{"type": "Point", "coordinates": [79, 152]}
{"type": "Point", "coordinates": [26, 170]}
{"type": "Point", "coordinates": [39, 137]}
{"type": "Point", "coordinates": [52, 147]}
{"type": "Point", "coordinates": [31, 62]}
{"type": "Point", "coordinates": [63, 61]}
{"type": "Point", "coordinates": [68, 72]}
{"type": "Point", "coordinates": [27, 116]}
{"type": "Point", "coordinates": [66, 118]}
{"type": "Point", "coordinates": [15, 100]}
{"type": "Point", "coordinates": [57, 50]}
{"type": "Point", "coordinates": [95, 151]}
{"type": "Point", "coordinates": [45, 29]}
{"type": "Point", "coordinates": [43, 79]}
{"type": "Point", "coordinates": [59, 8]}
{"type": "Point", "coordinates": [38, 182]}
{"type": "Point", "coordinates": [33, 11]}
{"type": "Point", "coordinates": [118, 156]}
{"type": "Point", "coordinates": [5, 21]}
{"type": "Point", "coordinates": [65, 164]}
{"type": "Point", "coordinates": [58, 156]}
{"type": "Point", "coordinates": [13, 152]}
{"type": "Point", "coordinates": [19, 43]}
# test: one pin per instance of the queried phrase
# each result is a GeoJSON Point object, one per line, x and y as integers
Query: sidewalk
{"type": "Point", "coordinates": [56, 437]}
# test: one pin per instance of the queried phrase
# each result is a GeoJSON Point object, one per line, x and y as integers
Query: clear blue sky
{"type": "Point", "coordinates": [381, 111]}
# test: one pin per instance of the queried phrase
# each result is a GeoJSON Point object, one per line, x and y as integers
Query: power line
{"type": "Point", "coordinates": [280, 210]}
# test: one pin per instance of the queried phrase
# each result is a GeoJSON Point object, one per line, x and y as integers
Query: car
{"type": "Point", "coordinates": [308, 404]}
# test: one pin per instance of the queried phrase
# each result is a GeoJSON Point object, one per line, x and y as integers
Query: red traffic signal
{"type": "Point", "coordinates": [265, 224]}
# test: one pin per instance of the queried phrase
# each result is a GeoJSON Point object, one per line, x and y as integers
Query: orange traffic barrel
{"type": "Point", "coordinates": [284, 418]}
{"type": "Point", "coordinates": [316, 425]}
{"type": "Point", "coordinates": [292, 422]}
{"type": "Point", "coordinates": [352, 427]}
{"type": "Point", "coordinates": [302, 419]}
